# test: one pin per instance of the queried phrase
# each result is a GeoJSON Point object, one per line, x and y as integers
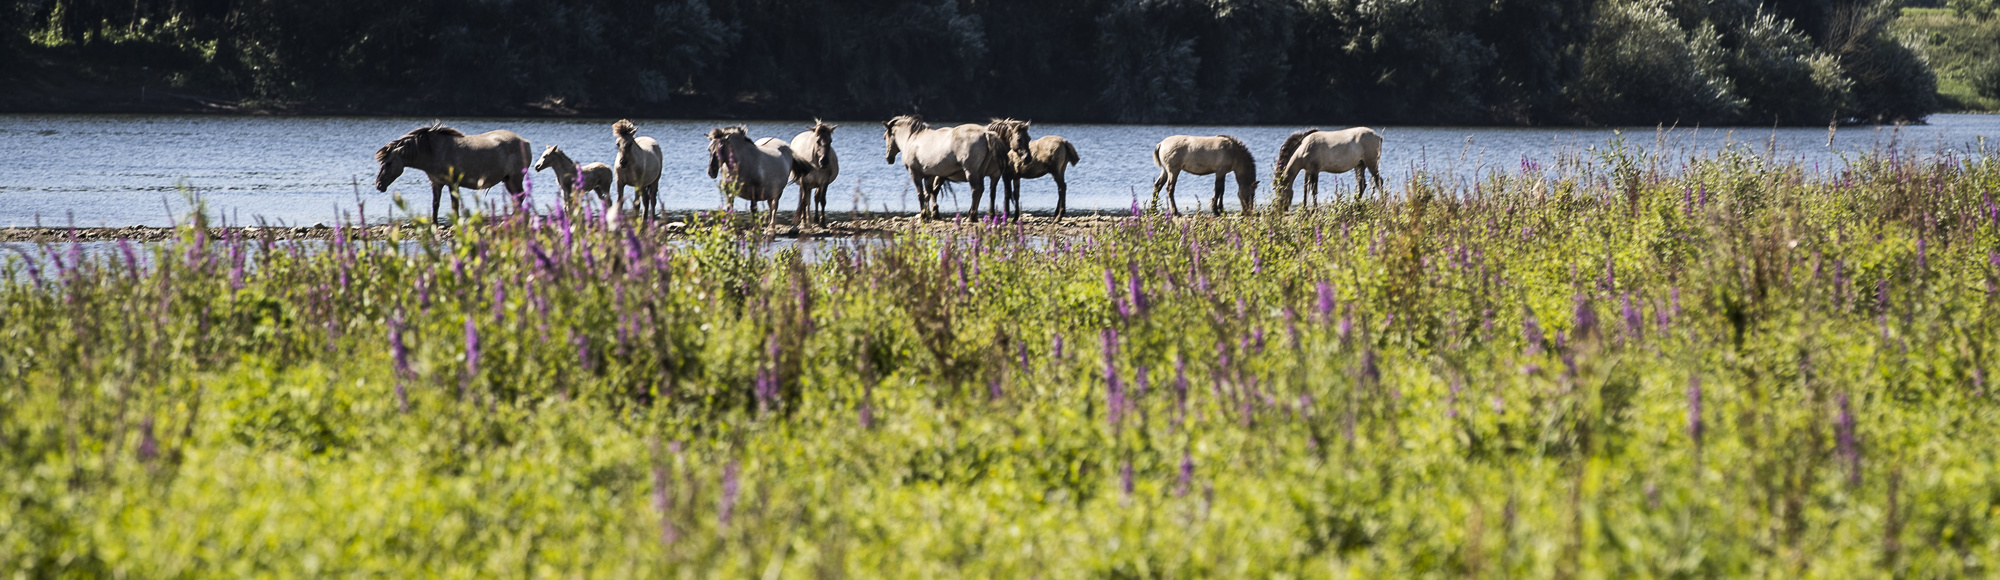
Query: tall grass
{"type": "Point", "coordinates": [1625, 364]}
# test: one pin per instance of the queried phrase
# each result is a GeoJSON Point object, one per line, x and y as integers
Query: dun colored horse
{"type": "Point", "coordinates": [1049, 155]}
{"type": "Point", "coordinates": [572, 179]}
{"type": "Point", "coordinates": [753, 171]}
{"type": "Point", "coordinates": [453, 159]}
{"type": "Point", "coordinates": [1218, 156]}
{"type": "Point", "coordinates": [638, 166]}
{"type": "Point", "coordinates": [1314, 151]}
{"type": "Point", "coordinates": [815, 149]}
{"type": "Point", "coordinates": [964, 153]}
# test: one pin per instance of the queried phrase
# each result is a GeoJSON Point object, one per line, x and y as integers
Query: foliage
{"type": "Point", "coordinates": [1960, 49]}
{"type": "Point", "coordinates": [1162, 61]}
{"type": "Point", "coordinates": [1634, 363]}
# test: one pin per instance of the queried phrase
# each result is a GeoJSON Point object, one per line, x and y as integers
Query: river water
{"type": "Point", "coordinates": [120, 170]}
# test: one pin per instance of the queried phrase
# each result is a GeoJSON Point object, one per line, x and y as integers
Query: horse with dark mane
{"type": "Point", "coordinates": [755, 171]}
{"type": "Point", "coordinates": [1314, 151]}
{"type": "Point", "coordinates": [1219, 155]}
{"type": "Point", "coordinates": [814, 148]}
{"type": "Point", "coordinates": [638, 165]}
{"type": "Point", "coordinates": [965, 153]}
{"type": "Point", "coordinates": [1049, 155]}
{"type": "Point", "coordinates": [453, 159]}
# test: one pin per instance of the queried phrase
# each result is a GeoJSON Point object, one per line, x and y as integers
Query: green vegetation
{"type": "Point", "coordinates": [1627, 364]}
{"type": "Point", "coordinates": [1963, 48]}
{"type": "Point", "coordinates": [1641, 62]}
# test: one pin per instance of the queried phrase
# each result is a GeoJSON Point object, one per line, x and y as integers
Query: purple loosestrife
{"type": "Point", "coordinates": [1346, 327]}
{"type": "Point", "coordinates": [582, 343]}
{"type": "Point", "coordinates": [663, 499]}
{"type": "Point", "coordinates": [1114, 389]}
{"type": "Point", "coordinates": [1137, 292]}
{"type": "Point", "coordinates": [1694, 424]}
{"type": "Point", "coordinates": [1531, 332]}
{"type": "Point", "coordinates": [1586, 318]}
{"type": "Point", "coordinates": [149, 447]}
{"type": "Point", "coordinates": [1055, 349]}
{"type": "Point", "coordinates": [1119, 304]}
{"type": "Point", "coordinates": [1125, 478]}
{"type": "Point", "coordinates": [1181, 389]}
{"type": "Point", "coordinates": [1850, 449]}
{"type": "Point", "coordinates": [1324, 308]}
{"type": "Point", "coordinates": [993, 387]}
{"type": "Point", "coordinates": [1923, 261]}
{"type": "Point", "coordinates": [471, 356]}
{"type": "Point", "coordinates": [730, 487]}
{"type": "Point", "coordinates": [1635, 322]}
{"type": "Point", "coordinates": [1187, 474]}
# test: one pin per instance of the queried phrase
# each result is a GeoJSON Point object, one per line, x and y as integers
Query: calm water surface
{"type": "Point", "coordinates": [119, 170]}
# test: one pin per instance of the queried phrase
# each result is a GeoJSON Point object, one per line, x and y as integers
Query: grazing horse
{"type": "Point", "coordinates": [815, 148]}
{"type": "Point", "coordinates": [454, 160]}
{"type": "Point", "coordinates": [572, 179]}
{"type": "Point", "coordinates": [753, 171]}
{"type": "Point", "coordinates": [638, 166]}
{"type": "Point", "coordinates": [964, 153]}
{"type": "Point", "coordinates": [1314, 151]}
{"type": "Point", "coordinates": [1049, 155]}
{"type": "Point", "coordinates": [1218, 155]}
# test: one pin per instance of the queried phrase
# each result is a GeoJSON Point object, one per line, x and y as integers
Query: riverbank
{"type": "Point", "coordinates": [839, 225]}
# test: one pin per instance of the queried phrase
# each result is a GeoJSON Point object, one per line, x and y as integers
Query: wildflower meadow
{"type": "Point", "coordinates": [1623, 364]}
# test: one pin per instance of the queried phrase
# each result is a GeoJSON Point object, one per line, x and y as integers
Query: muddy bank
{"type": "Point", "coordinates": [839, 224]}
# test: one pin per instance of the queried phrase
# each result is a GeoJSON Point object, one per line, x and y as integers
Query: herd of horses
{"type": "Point", "coordinates": [992, 158]}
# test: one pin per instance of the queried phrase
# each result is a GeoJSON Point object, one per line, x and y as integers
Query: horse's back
{"type": "Point", "coordinates": [1198, 155]}
{"type": "Point", "coordinates": [596, 175]}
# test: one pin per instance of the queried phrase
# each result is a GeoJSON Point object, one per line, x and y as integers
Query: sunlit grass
{"type": "Point", "coordinates": [1620, 365]}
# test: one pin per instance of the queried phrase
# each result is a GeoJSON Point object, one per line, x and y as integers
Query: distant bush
{"type": "Point", "coordinates": [1782, 78]}
{"type": "Point", "coordinates": [1986, 79]}
{"type": "Point", "coordinates": [1641, 67]}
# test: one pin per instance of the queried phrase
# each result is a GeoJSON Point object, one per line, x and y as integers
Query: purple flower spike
{"type": "Point", "coordinates": [730, 486]}
{"type": "Point", "coordinates": [471, 352]}
{"type": "Point", "coordinates": [149, 447]}
{"type": "Point", "coordinates": [1531, 333]}
{"type": "Point", "coordinates": [1850, 449]}
{"type": "Point", "coordinates": [1125, 478]}
{"type": "Point", "coordinates": [1586, 317]}
{"type": "Point", "coordinates": [1325, 305]}
{"type": "Point", "coordinates": [1187, 474]}
{"type": "Point", "coordinates": [1137, 292]}
{"type": "Point", "coordinates": [1694, 411]}
{"type": "Point", "coordinates": [1635, 323]}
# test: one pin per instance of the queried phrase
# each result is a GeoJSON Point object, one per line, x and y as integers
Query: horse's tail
{"type": "Point", "coordinates": [1157, 162]}
{"type": "Point", "coordinates": [1285, 151]}
{"type": "Point", "coordinates": [800, 167]}
{"type": "Point", "coordinates": [1069, 152]}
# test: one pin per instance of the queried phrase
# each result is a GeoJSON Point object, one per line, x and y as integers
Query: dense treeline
{"type": "Point", "coordinates": [1216, 61]}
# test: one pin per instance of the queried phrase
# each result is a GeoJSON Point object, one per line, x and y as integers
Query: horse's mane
{"type": "Point", "coordinates": [624, 129]}
{"type": "Point", "coordinates": [1242, 151]}
{"type": "Point", "coordinates": [1291, 144]}
{"type": "Point", "coordinates": [415, 138]}
{"type": "Point", "coordinates": [726, 132]}
{"type": "Point", "coordinates": [917, 124]}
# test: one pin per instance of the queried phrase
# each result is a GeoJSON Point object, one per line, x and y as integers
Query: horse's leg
{"type": "Point", "coordinates": [1159, 183]}
{"type": "Point", "coordinates": [1312, 189]}
{"type": "Point", "coordinates": [1360, 183]}
{"type": "Point", "coordinates": [1062, 194]}
{"type": "Point", "coordinates": [1221, 185]}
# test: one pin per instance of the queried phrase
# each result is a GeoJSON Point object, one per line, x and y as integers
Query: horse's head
{"type": "Point", "coordinates": [391, 167]}
{"type": "Point", "coordinates": [722, 143]}
{"type": "Point", "coordinates": [411, 149]}
{"type": "Point", "coordinates": [543, 161]}
{"type": "Point", "coordinates": [822, 141]}
{"type": "Point", "coordinates": [905, 123]}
